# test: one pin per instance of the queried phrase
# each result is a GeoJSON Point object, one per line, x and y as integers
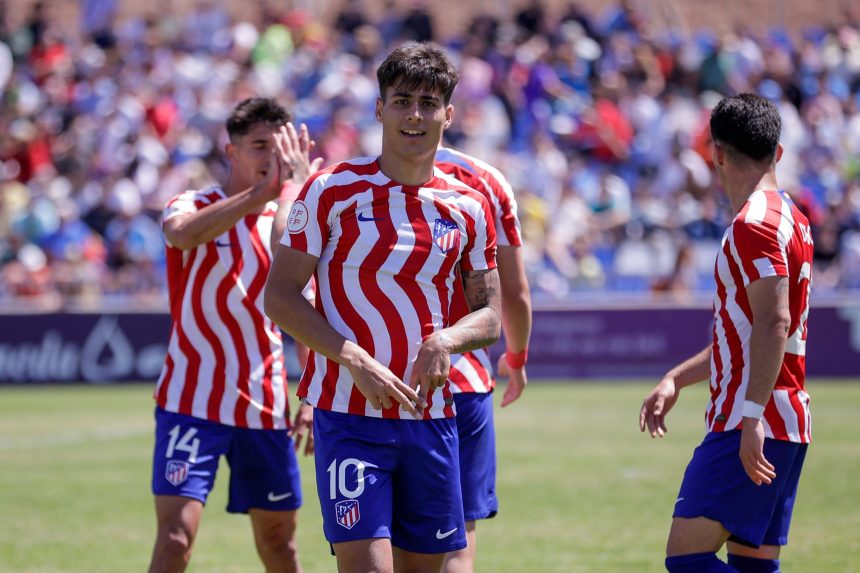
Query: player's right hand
{"type": "Point", "coordinates": [382, 388]}
{"type": "Point", "coordinates": [655, 407]}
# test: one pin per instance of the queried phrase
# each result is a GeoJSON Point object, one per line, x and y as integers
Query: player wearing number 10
{"type": "Point", "coordinates": [741, 484]}
{"type": "Point", "coordinates": [384, 236]}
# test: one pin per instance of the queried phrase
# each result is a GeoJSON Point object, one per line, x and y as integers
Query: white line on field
{"type": "Point", "coordinates": [72, 438]}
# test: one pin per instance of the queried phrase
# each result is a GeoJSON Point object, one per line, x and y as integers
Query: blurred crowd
{"type": "Point", "coordinates": [599, 122]}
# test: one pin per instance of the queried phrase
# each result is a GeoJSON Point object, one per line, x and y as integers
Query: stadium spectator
{"type": "Point", "coordinates": [148, 106]}
{"type": "Point", "coordinates": [740, 486]}
{"type": "Point", "coordinates": [387, 238]}
{"type": "Point", "coordinates": [223, 388]}
{"type": "Point", "coordinates": [471, 374]}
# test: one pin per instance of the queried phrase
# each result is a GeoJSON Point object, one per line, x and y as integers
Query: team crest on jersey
{"type": "Point", "coordinates": [446, 235]}
{"type": "Point", "coordinates": [176, 472]}
{"type": "Point", "coordinates": [347, 512]}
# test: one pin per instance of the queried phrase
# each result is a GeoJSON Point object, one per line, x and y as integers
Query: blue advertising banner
{"type": "Point", "coordinates": [585, 344]}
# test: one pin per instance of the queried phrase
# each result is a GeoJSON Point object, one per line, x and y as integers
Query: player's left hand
{"type": "Point", "coordinates": [517, 380]}
{"type": "Point", "coordinates": [303, 426]}
{"type": "Point", "coordinates": [751, 452]}
{"type": "Point", "coordinates": [432, 365]}
{"type": "Point", "coordinates": [294, 149]}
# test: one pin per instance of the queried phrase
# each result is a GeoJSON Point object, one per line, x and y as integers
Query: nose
{"type": "Point", "coordinates": [414, 111]}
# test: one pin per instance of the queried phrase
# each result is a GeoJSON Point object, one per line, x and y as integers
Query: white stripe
{"type": "Point", "coordinates": [764, 267]}
{"type": "Point", "coordinates": [783, 405]}
{"type": "Point", "coordinates": [757, 208]}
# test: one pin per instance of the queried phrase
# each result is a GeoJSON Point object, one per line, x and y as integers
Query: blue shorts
{"type": "Point", "coordinates": [264, 472]}
{"type": "Point", "coordinates": [717, 487]}
{"type": "Point", "coordinates": [477, 454]}
{"type": "Point", "coordinates": [398, 479]}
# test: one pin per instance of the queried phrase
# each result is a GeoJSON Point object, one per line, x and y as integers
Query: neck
{"type": "Point", "coordinates": [406, 171]}
{"type": "Point", "coordinates": [743, 184]}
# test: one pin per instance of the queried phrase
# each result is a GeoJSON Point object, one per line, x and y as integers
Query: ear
{"type": "Point", "coordinates": [449, 116]}
{"type": "Point", "coordinates": [778, 155]}
{"type": "Point", "coordinates": [379, 109]}
{"type": "Point", "coordinates": [230, 151]}
{"type": "Point", "coordinates": [719, 154]}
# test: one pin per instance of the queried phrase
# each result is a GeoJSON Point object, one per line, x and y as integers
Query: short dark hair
{"type": "Point", "coordinates": [255, 110]}
{"type": "Point", "coordinates": [748, 124]}
{"type": "Point", "coordinates": [414, 66]}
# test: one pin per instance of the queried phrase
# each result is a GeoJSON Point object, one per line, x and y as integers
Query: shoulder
{"type": "Point", "coordinates": [192, 200]}
{"type": "Point", "coordinates": [346, 173]}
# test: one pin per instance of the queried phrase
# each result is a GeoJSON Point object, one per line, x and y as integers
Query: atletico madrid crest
{"type": "Point", "coordinates": [347, 512]}
{"type": "Point", "coordinates": [176, 472]}
{"type": "Point", "coordinates": [446, 235]}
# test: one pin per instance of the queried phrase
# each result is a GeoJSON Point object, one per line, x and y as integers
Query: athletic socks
{"type": "Point", "coordinates": [753, 564]}
{"type": "Point", "coordinates": [697, 563]}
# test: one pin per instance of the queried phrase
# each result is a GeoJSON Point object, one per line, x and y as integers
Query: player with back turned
{"type": "Point", "coordinates": [740, 486]}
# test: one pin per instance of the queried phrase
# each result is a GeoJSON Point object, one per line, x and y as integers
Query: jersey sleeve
{"type": "Point", "coordinates": [307, 228]}
{"type": "Point", "coordinates": [480, 251]}
{"type": "Point", "coordinates": [760, 250]}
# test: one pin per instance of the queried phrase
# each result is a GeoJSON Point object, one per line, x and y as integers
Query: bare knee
{"type": "Point", "coordinates": [173, 546]}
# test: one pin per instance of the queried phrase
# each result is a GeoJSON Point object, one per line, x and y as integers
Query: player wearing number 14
{"type": "Point", "coordinates": [739, 488]}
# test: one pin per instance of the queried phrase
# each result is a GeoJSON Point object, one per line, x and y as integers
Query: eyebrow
{"type": "Point", "coordinates": [412, 94]}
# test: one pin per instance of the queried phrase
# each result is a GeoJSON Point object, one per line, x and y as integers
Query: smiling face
{"type": "Point", "coordinates": [412, 124]}
{"type": "Point", "coordinates": [250, 154]}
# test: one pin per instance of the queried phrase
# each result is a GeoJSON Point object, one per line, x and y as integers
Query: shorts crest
{"type": "Point", "coordinates": [347, 512]}
{"type": "Point", "coordinates": [176, 472]}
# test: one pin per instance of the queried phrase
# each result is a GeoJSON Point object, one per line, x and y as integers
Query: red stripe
{"type": "Point", "coordinates": [774, 420]}
{"type": "Point", "coordinates": [255, 290]}
{"type": "Point", "coordinates": [461, 380]}
{"type": "Point", "coordinates": [192, 372]}
{"type": "Point", "coordinates": [340, 298]}
{"type": "Point", "coordinates": [226, 316]}
{"type": "Point", "coordinates": [161, 390]}
{"type": "Point", "coordinates": [217, 391]}
{"type": "Point", "coordinates": [367, 278]}
{"type": "Point", "coordinates": [473, 359]}
{"type": "Point", "coordinates": [416, 260]}
{"type": "Point", "coordinates": [445, 270]}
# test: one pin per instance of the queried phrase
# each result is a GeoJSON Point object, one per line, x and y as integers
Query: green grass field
{"type": "Point", "coordinates": [581, 489]}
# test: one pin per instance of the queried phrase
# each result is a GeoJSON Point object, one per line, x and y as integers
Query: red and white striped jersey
{"type": "Point", "coordinates": [225, 357]}
{"type": "Point", "coordinates": [768, 237]}
{"type": "Point", "coordinates": [388, 255]}
{"type": "Point", "coordinates": [473, 371]}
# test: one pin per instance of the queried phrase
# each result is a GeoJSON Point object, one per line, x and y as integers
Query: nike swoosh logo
{"type": "Point", "coordinates": [273, 497]}
{"type": "Point", "coordinates": [440, 535]}
{"type": "Point", "coordinates": [680, 499]}
{"type": "Point", "coordinates": [223, 244]}
{"type": "Point", "coordinates": [361, 217]}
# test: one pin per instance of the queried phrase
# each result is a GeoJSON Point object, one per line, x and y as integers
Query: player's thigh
{"type": "Point", "coordinates": [428, 507]}
{"type": "Point", "coordinates": [186, 454]}
{"type": "Point", "coordinates": [695, 535]}
{"type": "Point", "coordinates": [364, 556]}
{"type": "Point", "coordinates": [273, 527]}
{"type": "Point", "coordinates": [355, 458]}
{"type": "Point", "coordinates": [410, 562]}
{"type": "Point", "coordinates": [177, 515]}
{"type": "Point", "coordinates": [264, 472]}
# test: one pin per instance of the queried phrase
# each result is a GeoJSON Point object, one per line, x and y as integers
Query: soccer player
{"type": "Point", "coordinates": [741, 483]}
{"type": "Point", "coordinates": [384, 237]}
{"type": "Point", "coordinates": [471, 375]}
{"type": "Point", "coordinates": [223, 388]}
